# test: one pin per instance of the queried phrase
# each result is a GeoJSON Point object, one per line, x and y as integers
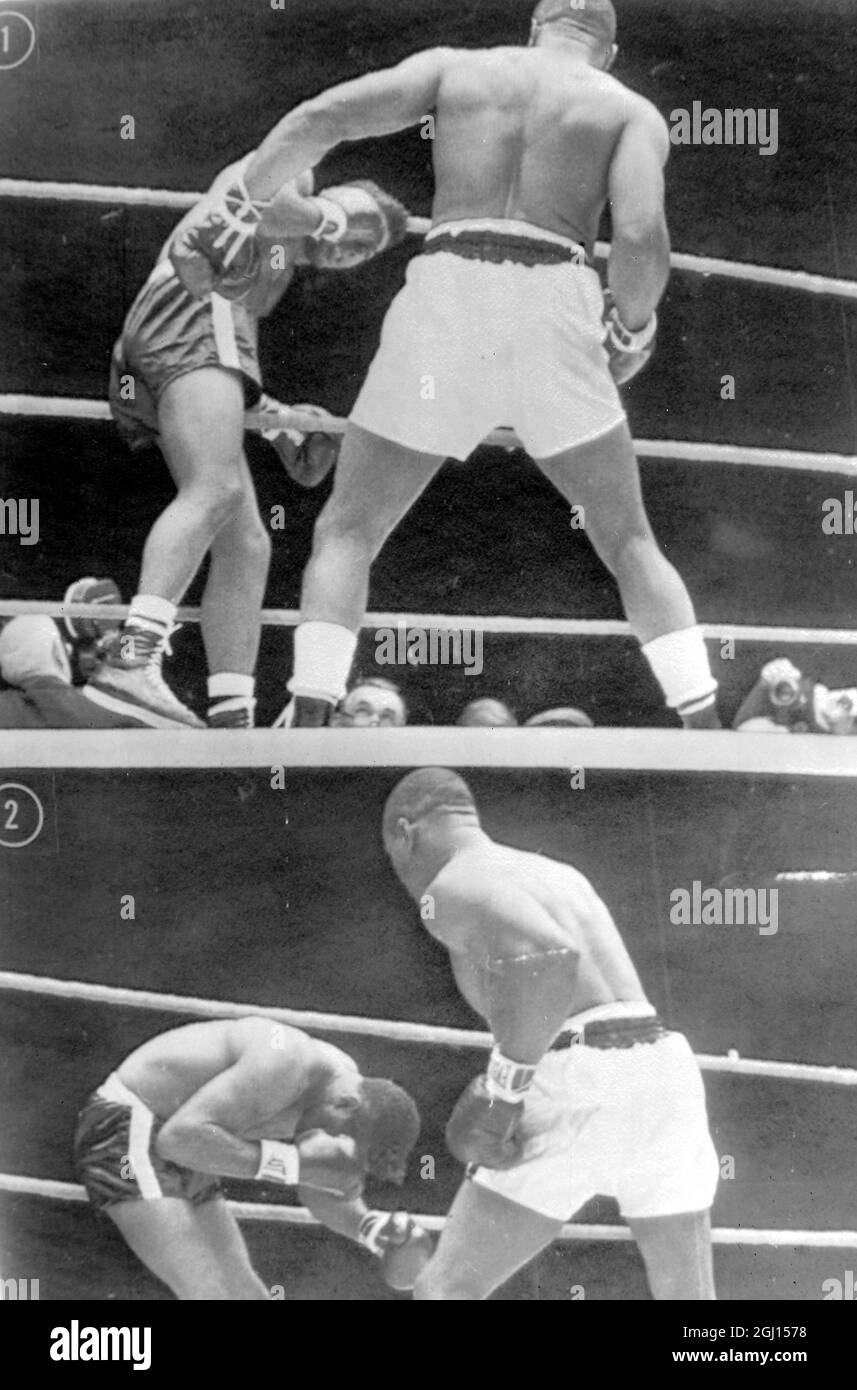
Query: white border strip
{"type": "Point", "coordinates": [638, 750]}
{"type": "Point", "coordinates": [54, 1190]}
{"type": "Point", "coordinates": [465, 622]}
{"type": "Point", "coordinates": [391, 1030]}
{"type": "Point", "coordinates": [418, 226]}
{"type": "Point", "coordinates": [687, 451]}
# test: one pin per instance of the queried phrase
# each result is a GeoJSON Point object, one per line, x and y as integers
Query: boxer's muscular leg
{"type": "Point", "coordinates": [376, 483]}
{"type": "Point", "coordinates": [201, 430]}
{"type": "Point", "coordinates": [603, 478]}
{"type": "Point", "coordinates": [198, 1252]}
{"type": "Point", "coordinates": [235, 588]}
{"type": "Point", "coordinates": [486, 1239]}
{"type": "Point", "coordinates": [677, 1255]}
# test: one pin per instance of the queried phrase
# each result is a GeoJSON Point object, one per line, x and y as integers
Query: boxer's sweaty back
{"type": "Point", "coordinates": [526, 134]}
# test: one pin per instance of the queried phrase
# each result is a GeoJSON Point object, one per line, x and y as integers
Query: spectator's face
{"type": "Point", "coordinates": [370, 707]}
{"type": "Point", "coordinates": [839, 708]}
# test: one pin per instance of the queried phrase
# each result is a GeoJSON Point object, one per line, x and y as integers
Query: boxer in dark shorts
{"type": "Point", "coordinates": [247, 1099]}
{"type": "Point", "coordinates": [168, 333]}
{"type": "Point", "coordinates": [183, 373]}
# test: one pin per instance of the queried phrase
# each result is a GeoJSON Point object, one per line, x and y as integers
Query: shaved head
{"type": "Point", "coordinates": [594, 20]}
{"type": "Point", "coordinates": [424, 792]}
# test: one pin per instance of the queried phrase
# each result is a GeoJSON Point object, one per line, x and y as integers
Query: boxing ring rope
{"type": "Point", "coordinates": [418, 226]}
{"type": "Point", "coordinates": [53, 1190]}
{"type": "Point", "coordinates": [677, 751]}
{"type": "Point", "coordinates": [686, 451]}
{"type": "Point", "coordinates": [462, 622]}
{"type": "Point", "coordinates": [391, 1030]}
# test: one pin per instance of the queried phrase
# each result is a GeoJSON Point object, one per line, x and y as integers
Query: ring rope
{"type": "Point", "coordinates": [418, 226]}
{"type": "Point", "coordinates": [54, 1190]}
{"type": "Point", "coordinates": [688, 451]}
{"type": "Point", "coordinates": [391, 1030]}
{"type": "Point", "coordinates": [461, 622]}
{"type": "Point", "coordinates": [675, 751]}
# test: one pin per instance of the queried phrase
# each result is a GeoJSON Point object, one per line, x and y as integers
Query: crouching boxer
{"type": "Point", "coordinates": [586, 1091]}
{"type": "Point", "coordinates": [183, 372]}
{"type": "Point", "coordinates": [244, 1098]}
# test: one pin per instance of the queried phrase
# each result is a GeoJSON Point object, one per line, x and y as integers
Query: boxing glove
{"type": "Point", "coordinates": [403, 1247]}
{"type": "Point", "coordinates": [218, 253]}
{"type": "Point", "coordinates": [329, 1162]}
{"type": "Point", "coordinates": [481, 1128]}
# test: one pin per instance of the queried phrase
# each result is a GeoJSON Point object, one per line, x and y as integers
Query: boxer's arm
{"type": "Point", "coordinates": [336, 1213]}
{"type": "Point", "coordinates": [377, 104]}
{"type": "Point", "coordinates": [268, 1075]}
{"type": "Point", "coordinates": [526, 964]}
{"type": "Point", "coordinates": [639, 264]}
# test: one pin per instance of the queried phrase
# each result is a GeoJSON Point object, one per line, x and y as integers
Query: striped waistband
{"type": "Point", "coordinates": [497, 240]}
{"type": "Point", "coordinates": [620, 1024]}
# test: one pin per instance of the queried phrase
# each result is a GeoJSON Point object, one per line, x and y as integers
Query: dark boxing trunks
{"type": "Point", "coordinates": [115, 1158]}
{"type": "Point", "coordinates": [168, 333]}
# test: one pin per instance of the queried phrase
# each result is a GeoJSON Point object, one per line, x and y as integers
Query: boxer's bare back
{"type": "Point", "coordinates": [493, 903]}
{"type": "Point", "coordinates": [528, 134]}
{"type": "Point", "coordinates": [538, 135]}
{"type": "Point", "coordinates": [281, 1064]}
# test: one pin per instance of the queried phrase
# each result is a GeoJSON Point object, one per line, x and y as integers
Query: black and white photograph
{"type": "Point", "coordinates": [428, 659]}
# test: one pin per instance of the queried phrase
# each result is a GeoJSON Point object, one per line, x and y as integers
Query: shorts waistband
{"type": "Point", "coordinates": [620, 1024]}
{"type": "Point", "coordinates": [114, 1089]}
{"type": "Point", "coordinates": [500, 239]}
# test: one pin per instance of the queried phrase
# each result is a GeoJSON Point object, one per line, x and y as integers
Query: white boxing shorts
{"type": "Point", "coordinates": [499, 323]}
{"type": "Point", "coordinates": [619, 1121]}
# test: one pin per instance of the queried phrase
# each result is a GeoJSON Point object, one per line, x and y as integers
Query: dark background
{"type": "Point", "coordinates": [204, 81]}
{"type": "Point", "coordinates": [303, 919]}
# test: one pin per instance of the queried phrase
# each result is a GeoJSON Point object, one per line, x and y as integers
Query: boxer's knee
{"type": "Point", "coordinates": [216, 501]}
{"type": "Point", "coordinates": [247, 539]}
{"type": "Point", "coordinates": [625, 551]}
{"type": "Point", "coordinates": [340, 529]}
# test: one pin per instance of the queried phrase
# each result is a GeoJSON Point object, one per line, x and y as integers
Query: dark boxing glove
{"type": "Point", "coordinates": [403, 1247]}
{"type": "Point", "coordinates": [481, 1128]}
{"type": "Point", "coordinates": [627, 352]}
{"type": "Point", "coordinates": [307, 458]}
{"type": "Point", "coordinates": [219, 254]}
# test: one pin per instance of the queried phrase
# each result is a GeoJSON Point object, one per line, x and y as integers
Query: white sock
{"type": "Point", "coordinates": [152, 610]}
{"type": "Point", "coordinates": [227, 685]}
{"type": "Point", "coordinates": [680, 665]}
{"type": "Point", "coordinates": [323, 656]}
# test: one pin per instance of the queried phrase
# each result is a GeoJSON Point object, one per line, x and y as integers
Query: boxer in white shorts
{"type": "Point", "coordinates": [501, 321]}
{"type": "Point", "coordinates": [586, 1091]}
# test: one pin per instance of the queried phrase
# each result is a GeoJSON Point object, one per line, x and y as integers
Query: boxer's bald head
{"type": "Point", "coordinates": [422, 816]}
{"type": "Point", "coordinates": [591, 23]}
